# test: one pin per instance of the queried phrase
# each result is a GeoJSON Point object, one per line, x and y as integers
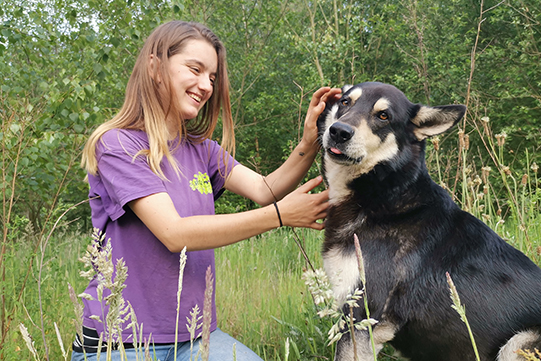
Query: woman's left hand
{"type": "Point", "coordinates": [317, 105]}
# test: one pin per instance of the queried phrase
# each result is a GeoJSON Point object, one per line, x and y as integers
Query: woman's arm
{"type": "Point", "coordinates": [298, 209]}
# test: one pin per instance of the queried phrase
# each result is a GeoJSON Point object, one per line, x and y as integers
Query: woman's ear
{"type": "Point", "coordinates": [154, 69]}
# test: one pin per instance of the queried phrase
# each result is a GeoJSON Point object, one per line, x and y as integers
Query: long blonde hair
{"type": "Point", "coordinates": [148, 103]}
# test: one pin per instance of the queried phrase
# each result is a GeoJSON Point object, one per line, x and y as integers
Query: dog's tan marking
{"type": "Point", "coordinates": [339, 176]}
{"type": "Point", "coordinates": [346, 87]}
{"type": "Point", "coordinates": [355, 94]}
{"type": "Point", "coordinates": [372, 148]}
{"type": "Point", "coordinates": [330, 119]}
{"type": "Point", "coordinates": [365, 146]}
{"type": "Point", "coordinates": [382, 104]}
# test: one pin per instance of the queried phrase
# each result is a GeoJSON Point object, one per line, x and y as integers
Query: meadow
{"type": "Point", "coordinates": [261, 297]}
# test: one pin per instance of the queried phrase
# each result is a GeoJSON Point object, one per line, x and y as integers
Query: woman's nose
{"type": "Point", "coordinates": [206, 84]}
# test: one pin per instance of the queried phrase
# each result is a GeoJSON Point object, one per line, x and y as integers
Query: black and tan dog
{"type": "Point", "coordinates": [411, 234]}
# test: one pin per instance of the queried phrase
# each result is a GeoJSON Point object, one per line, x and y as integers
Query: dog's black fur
{"type": "Point", "coordinates": [411, 234]}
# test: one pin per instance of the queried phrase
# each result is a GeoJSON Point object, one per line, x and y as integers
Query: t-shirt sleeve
{"type": "Point", "coordinates": [220, 165]}
{"type": "Point", "coordinates": [124, 177]}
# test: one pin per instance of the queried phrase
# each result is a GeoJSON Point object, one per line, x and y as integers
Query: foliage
{"type": "Point", "coordinates": [64, 66]}
{"type": "Point", "coordinates": [70, 63]}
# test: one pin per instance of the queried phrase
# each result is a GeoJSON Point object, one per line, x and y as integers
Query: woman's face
{"type": "Point", "coordinates": [192, 73]}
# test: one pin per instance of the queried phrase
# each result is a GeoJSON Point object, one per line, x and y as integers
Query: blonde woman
{"type": "Point", "coordinates": [157, 175]}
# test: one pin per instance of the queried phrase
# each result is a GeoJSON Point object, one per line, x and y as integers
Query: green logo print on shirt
{"type": "Point", "coordinates": [201, 183]}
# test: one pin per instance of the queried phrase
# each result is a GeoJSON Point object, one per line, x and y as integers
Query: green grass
{"type": "Point", "coordinates": [261, 298]}
{"type": "Point", "coordinates": [60, 267]}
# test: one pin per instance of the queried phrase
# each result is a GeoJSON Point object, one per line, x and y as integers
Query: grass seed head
{"type": "Point", "coordinates": [28, 340]}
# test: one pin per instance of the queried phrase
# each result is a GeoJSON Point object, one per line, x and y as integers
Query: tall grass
{"type": "Point", "coordinates": [262, 300]}
{"type": "Point", "coordinates": [261, 297]}
{"type": "Point", "coordinates": [61, 266]}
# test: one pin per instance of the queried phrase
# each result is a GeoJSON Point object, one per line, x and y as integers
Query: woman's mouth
{"type": "Point", "coordinates": [195, 97]}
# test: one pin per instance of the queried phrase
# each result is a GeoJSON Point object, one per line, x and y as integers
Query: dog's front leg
{"type": "Point", "coordinates": [361, 343]}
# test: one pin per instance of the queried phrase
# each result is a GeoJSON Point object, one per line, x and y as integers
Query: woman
{"type": "Point", "coordinates": [157, 175]}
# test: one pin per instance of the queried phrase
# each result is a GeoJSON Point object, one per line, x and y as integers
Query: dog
{"type": "Point", "coordinates": [411, 235]}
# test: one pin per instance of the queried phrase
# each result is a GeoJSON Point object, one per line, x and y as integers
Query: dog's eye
{"type": "Point", "coordinates": [383, 116]}
{"type": "Point", "coordinates": [345, 102]}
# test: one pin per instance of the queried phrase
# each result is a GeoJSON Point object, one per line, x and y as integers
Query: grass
{"type": "Point", "coordinates": [61, 267]}
{"type": "Point", "coordinates": [261, 297]}
{"type": "Point", "coordinates": [263, 276]}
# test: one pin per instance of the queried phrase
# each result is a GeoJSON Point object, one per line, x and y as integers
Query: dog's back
{"type": "Point", "coordinates": [412, 234]}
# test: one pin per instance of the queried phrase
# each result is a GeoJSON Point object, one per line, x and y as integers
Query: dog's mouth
{"type": "Point", "coordinates": [339, 157]}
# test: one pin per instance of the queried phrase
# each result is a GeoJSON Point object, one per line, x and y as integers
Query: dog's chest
{"type": "Point", "coordinates": [383, 251]}
{"type": "Point", "coordinates": [342, 269]}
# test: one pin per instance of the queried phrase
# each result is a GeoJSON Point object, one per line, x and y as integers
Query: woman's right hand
{"type": "Point", "coordinates": [303, 209]}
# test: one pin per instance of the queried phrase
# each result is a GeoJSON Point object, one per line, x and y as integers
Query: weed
{"type": "Point", "coordinates": [461, 310]}
{"type": "Point", "coordinates": [529, 355]}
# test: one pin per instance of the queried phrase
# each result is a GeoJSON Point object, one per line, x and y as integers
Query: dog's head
{"type": "Point", "coordinates": [374, 123]}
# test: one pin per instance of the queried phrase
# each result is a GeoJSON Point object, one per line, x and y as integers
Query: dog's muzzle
{"type": "Point", "coordinates": [338, 136]}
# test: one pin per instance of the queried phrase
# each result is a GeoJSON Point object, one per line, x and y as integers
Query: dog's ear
{"type": "Point", "coordinates": [430, 121]}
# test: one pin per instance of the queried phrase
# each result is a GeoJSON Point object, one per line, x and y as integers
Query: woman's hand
{"type": "Point", "coordinates": [302, 209]}
{"type": "Point", "coordinates": [298, 209]}
{"type": "Point", "coordinates": [317, 105]}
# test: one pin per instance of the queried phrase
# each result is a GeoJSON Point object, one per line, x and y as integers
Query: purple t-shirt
{"type": "Point", "coordinates": [152, 282]}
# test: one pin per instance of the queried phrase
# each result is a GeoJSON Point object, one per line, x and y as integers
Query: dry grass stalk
{"type": "Point", "coordinates": [28, 340]}
{"type": "Point", "coordinates": [461, 310]}
{"type": "Point", "coordinates": [362, 275]}
{"type": "Point", "coordinates": [99, 264]}
{"type": "Point", "coordinates": [182, 264]}
{"type": "Point", "coordinates": [193, 325]}
{"type": "Point", "coordinates": [78, 308]}
{"type": "Point", "coordinates": [207, 315]}
{"type": "Point", "coordinates": [61, 344]}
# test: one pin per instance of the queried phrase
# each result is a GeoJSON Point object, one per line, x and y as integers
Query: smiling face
{"type": "Point", "coordinates": [192, 73]}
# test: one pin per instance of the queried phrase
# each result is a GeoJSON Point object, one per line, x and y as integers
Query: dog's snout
{"type": "Point", "coordinates": [341, 132]}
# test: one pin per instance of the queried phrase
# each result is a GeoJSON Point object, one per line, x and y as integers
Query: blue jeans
{"type": "Point", "coordinates": [221, 349]}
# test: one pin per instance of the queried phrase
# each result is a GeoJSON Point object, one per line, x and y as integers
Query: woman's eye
{"type": "Point", "coordinates": [194, 69]}
{"type": "Point", "coordinates": [383, 116]}
{"type": "Point", "coordinates": [345, 102]}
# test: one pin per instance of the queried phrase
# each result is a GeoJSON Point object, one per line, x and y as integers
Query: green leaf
{"type": "Point", "coordinates": [115, 41]}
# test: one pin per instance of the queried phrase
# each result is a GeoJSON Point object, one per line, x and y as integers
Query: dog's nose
{"type": "Point", "coordinates": [341, 132]}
